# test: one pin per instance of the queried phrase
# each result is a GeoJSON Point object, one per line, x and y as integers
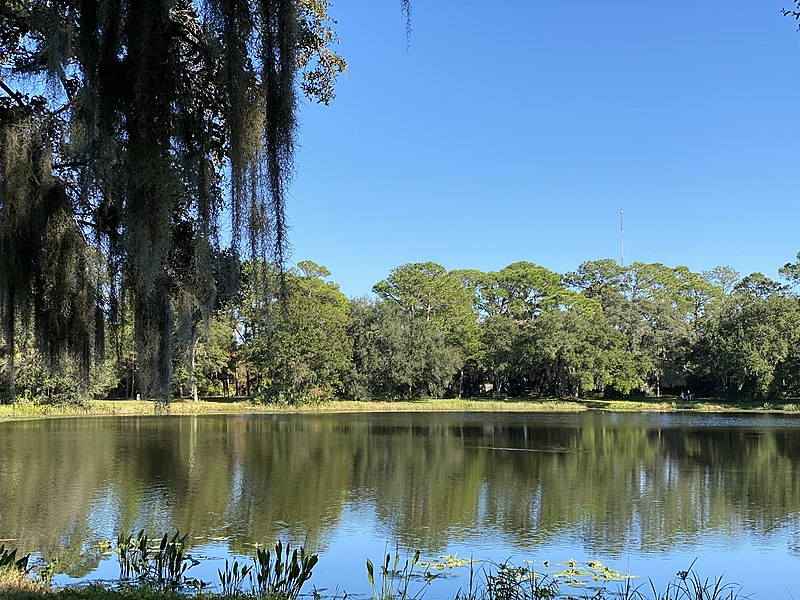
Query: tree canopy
{"type": "Point", "coordinates": [128, 130]}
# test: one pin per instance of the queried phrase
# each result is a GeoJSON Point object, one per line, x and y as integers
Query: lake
{"type": "Point", "coordinates": [644, 493]}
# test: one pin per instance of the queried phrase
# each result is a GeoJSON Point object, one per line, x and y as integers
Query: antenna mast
{"type": "Point", "coordinates": [621, 240]}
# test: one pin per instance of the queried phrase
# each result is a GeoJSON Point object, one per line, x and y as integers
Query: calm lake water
{"type": "Point", "coordinates": [647, 493]}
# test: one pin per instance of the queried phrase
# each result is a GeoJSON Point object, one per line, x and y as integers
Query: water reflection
{"type": "Point", "coordinates": [614, 484]}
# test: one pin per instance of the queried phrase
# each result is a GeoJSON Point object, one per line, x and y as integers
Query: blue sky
{"type": "Point", "coordinates": [516, 130]}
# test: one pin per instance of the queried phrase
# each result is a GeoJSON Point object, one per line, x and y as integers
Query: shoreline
{"type": "Point", "coordinates": [243, 406]}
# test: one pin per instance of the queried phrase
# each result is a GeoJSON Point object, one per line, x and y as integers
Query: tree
{"type": "Point", "coordinates": [427, 291]}
{"type": "Point", "coordinates": [572, 352]}
{"type": "Point", "coordinates": [396, 354]}
{"type": "Point", "coordinates": [502, 357]}
{"type": "Point", "coordinates": [750, 347]}
{"type": "Point", "coordinates": [215, 357]}
{"type": "Point", "coordinates": [723, 277]}
{"type": "Point", "coordinates": [298, 345]}
{"type": "Point", "coordinates": [660, 310]}
{"type": "Point", "coordinates": [158, 117]}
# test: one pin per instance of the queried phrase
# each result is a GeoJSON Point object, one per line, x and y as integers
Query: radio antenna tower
{"type": "Point", "coordinates": [621, 240]}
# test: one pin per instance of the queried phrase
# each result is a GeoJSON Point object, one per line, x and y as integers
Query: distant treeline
{"type": "Point", "coordinates": [523, 330]}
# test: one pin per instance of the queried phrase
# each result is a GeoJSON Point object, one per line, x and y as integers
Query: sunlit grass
{"type": "Point", "coordinates": [240, 405]}
{"type": "Point", "coordinates": [244, 406]}
{"type": "Point", "coordinates": [15, 583]}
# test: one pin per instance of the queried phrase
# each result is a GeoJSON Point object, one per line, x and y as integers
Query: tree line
{"type": "Point", "coordinates": [603, 329]}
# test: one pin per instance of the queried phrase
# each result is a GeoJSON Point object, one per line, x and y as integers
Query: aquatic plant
{"type": "Point", "coordinates": [395, 582]}
{"type": "Point", "coordinates": [689, 585]}
{"type": "Point", "coordinates": [686, 585]}
{"type": "Point", "coordinates": [163, 565]}
{"type": "Point", "coordinates": [158, 569]}
{"type": "Point", "coordinates": [46, 572]}
{"type": "Point", "coordinates": [283, 575]}
{"type": "Point", "coordinates": [510, 582]}
{"type": "Point", "coordinates": [233, 577]}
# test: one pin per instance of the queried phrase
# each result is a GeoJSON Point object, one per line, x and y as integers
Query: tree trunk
{"type": "Point", "coordinates": [192, 361]}
{"type": "Point", "coordinates": [12, 383]}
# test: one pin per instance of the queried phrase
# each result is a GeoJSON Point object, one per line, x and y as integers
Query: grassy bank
{"type": "Point", "coordinates": [209, 406]}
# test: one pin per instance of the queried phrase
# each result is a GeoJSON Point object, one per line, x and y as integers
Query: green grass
{"type": "Point", "coordinates": [209, 406]}
{"type": "Point", "coordinates": [93, 592]}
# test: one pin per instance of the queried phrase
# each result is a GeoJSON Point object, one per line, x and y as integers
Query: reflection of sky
{"type": "Point", "coordinates": [751, 543]}
{"type": "Point", "coordinates": [764, 565]}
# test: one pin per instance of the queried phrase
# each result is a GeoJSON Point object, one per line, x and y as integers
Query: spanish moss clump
{"type": "Point", "coordinates": [405, 6]}
{"type": "Point", "coordinates": [128, 129]}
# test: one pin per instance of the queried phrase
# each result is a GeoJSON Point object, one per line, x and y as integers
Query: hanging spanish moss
{"type": "Point", "coordinates": [405, 6]}
{"type": "Point", "coordinates": [129, 130]}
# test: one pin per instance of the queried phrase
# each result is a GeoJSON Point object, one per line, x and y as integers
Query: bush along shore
{"type": "Point", "coordinates": [155, 568]}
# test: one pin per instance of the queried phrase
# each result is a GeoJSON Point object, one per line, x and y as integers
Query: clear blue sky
{"type": "Point", "coordinates": [515, 130]}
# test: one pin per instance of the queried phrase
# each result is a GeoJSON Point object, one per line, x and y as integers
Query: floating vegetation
{"type": "Point", "coordinates": [580, 574]}
{"type": "Point", "coordinates": [446, 561]}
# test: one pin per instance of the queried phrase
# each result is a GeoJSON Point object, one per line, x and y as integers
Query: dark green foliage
{"type": "Point", "coordinates": [397, 354]}
{"type": "Point", "coordinates": [112, 176]}
{"type": "Point", "coordinates": [296, 348]}
{"type": "Point", "coordinates": [750, 346]}
{"type": "Point", "coordinates": [523, 330]}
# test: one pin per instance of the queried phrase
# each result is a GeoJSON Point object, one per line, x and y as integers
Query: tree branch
{"type": "Point", "coordinates": [13, 94]}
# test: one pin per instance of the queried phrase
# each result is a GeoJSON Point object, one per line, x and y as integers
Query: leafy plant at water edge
{"type": "Point", "coordinates": [234, 577]}
{"type": "Point", "coordinates": [47, 571]}
{"type": "Point", "coordinates": [282, 574]}
{"type": "Point", "coordinates": [394, 582]}
{"type": "Point", "coordinates": [8, 558]}
{"type": "Point", "coordinates": [688, 585]}
{"type": "Point", "coordinates": [163, 565]}
{"type": "Point", "coordinates": [510, 582]}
